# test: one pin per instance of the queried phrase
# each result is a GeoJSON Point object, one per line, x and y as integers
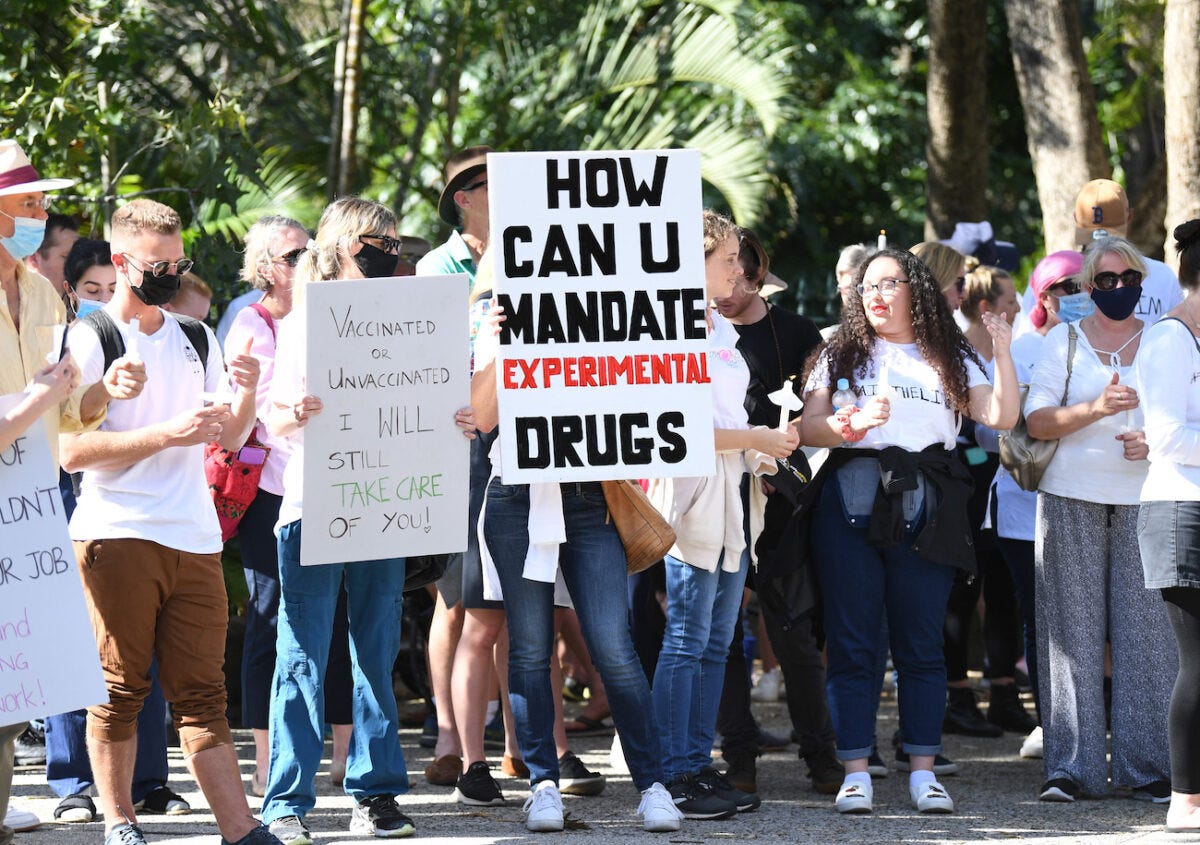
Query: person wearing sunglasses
{"type": "Point", "coordinates": [948, 267]}
{"type": "Point", "coordinates": [355, 239]}
{"type": "Point", "coordinates": [273, 247]}
{"type": "Point", "coordinates": [462, 205]}
{"type": "Point", "coordinates": [1088, 571]}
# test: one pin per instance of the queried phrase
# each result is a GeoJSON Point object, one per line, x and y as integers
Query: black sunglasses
{"type": "Point", "coordinates": [387, 242]}
{"type": "Point", "coordinates": [159, 268]}
{"type": "Point", "coordinates": [482, 183]}
{"type": "Point", "coordinates": [1067, 287]}
{"type": "Point", "coordinates": [1108, 279]}
{"type": "Point", "coordinates": [292, 257]}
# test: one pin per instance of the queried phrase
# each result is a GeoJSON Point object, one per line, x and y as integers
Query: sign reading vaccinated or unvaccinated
{"type": "Point", "coordinates": [599, 261]}
{"type": "Point", "coordinates": [385, 466]}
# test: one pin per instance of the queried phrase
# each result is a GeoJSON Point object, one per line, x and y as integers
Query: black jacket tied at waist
{"type": "Point", "coordinates": [785, 574]}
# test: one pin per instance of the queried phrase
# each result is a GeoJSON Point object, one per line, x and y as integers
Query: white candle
{"type": "Point", "coordinates": [882, 242]}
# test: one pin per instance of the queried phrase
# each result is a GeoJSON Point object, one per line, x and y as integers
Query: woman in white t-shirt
{"type": "Point", "coordinates": [1169, 518]}
{"type": "Point", "coordinates": [1088, 572]}
{"type": "Point", "coordinates": [891, 528]}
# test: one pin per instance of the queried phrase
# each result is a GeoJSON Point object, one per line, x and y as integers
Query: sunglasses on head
{"type": "Point", "coordinates": [1108, 279]}
{"type": "Point", "coordinates": [386, 242]}
{"type": "Point", "coordinates": [1067, 287]}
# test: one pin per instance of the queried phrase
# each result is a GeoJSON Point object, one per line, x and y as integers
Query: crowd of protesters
{"type": "Point", "coordinates": [1088, 576]}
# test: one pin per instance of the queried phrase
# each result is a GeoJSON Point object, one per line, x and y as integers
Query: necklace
{"type": "Point", "coordinates": [1114, 358]}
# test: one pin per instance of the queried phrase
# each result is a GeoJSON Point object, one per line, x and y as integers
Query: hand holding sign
{"type": "Point", "coordinates": [789, 403]}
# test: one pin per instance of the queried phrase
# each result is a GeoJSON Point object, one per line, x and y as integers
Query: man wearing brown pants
{"type": "Point", "coordinates": [145, 530]}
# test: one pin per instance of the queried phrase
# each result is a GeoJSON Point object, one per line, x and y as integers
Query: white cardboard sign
{"type": "Point", "coordinates": [48, 658]}
{"type": "Point", "coordinates": [385, 467]}
{"type": "Point", "coordinates": [602, 371]}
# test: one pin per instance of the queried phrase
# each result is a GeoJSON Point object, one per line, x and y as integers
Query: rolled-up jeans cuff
{"type": "Point", "coordinates": [855, 753]}
{"type": "Point", "coordinates": [921, 750]}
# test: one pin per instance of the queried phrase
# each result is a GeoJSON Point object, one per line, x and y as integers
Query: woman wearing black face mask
{"type": "Point", "coordinates": [1088, 570]}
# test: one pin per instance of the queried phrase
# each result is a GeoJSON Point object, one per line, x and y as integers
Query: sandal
{"type": "Point", "coordinates": [587, 726]}
{"type": "Point", "coordinates": [76, 808]}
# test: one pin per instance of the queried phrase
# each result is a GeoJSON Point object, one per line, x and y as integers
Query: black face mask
{"type": "Point", "coordinates": [1118, 303]}
{"type": "Point", "coordinates": [156, 290]}
{"type": "Point", "coordinates": [375, 263]}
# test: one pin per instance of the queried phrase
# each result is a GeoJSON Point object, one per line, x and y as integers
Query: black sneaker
{"type": "Point", "coordinates": [29, 749]}
{"type": "Point", "coordinates": [574, 778]}
{"type": "Point", "coordinates": [379, 816]}
{"type": "Point", "coordinates": [477, 787]}
{"type": "Point", "coordinates": [827, 772]}
{"type": "Point", "coordinates": [1005, 710]}
{"type": "Point", "coordinates": [1059, 790]}
{"type": "Point", "coordinates": [941, 765]}
{"type": "Point", "coordinates": [963, 716]}
{"type": "Point", "coordinates": [876, 768]}
{"type": "Point", "coordinates": [163, 802]}
{"type": "Point", "coordinates": [719, 785]}
{"type": "Point", "coordinates": [429, 732]}
{"type": "Point", "coordinates": [697, 802]}
{"type": "Point", "coordinates": [1158, 792]}
{"type": "Point", "coordinates": [260, 835]}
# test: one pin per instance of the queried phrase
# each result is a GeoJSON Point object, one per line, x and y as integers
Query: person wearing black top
{"type": "Point", "coordinates": [775, 343]}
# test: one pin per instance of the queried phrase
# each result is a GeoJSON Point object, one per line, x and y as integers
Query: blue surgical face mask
{"type": "Point", "coordinates": [83, 307]}
{"type": "Point", "coordinates": [27, 236]}
{"type": "Point", "coordinates": [1075, 307]}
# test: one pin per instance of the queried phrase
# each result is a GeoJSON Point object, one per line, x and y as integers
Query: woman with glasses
{"type": "Point", "coordinates": [1088, 571]}
{"type": "Point", "coordinates": [1169, 520]}
{"type": "Point", "coordinates": [274, 245]}
{"type": "Point", "coordinates": [356, 239]}
{"type": "Point", "coordinates": [887, 394]}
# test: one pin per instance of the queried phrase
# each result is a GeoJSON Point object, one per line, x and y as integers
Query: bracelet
{"type": "Point", "coordinates": [849, 435]}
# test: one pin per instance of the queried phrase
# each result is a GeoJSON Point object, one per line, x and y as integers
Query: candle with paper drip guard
{"type": "Point", "coordinates": [135, 335]}
{"type": "Point", "coordinates": [787, 400]}
{"type": "Point", "coordinates": [883, 388]}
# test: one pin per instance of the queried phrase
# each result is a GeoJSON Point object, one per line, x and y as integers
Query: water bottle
{"type": "Point", "coordinates": [844, 395]}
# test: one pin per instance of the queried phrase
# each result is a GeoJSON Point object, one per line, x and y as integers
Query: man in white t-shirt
{"type": "Point", "coordinates": [1102, 208]}
{"type": "Point", "coordinates": [145, 529]}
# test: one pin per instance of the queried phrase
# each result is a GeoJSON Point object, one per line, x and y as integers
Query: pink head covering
{"type": "Point", "coordinates": [1051, 269]}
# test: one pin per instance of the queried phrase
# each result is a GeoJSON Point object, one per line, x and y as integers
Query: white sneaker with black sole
{"type": "Point", "coordinates": [290, 831]}
{"type": "Point", "coordinates": [543, 808]}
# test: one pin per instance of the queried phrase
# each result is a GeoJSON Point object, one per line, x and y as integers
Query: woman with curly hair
{"type": "Point", "coordinates": [890, 527]}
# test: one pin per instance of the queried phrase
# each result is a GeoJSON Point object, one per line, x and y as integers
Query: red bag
{"type": "Point", "coordinates": [233, 480]}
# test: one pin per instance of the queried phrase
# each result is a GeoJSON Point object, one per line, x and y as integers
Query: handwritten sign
{"type": "Point", "coordinates": [603, 368]}
{"type": "Point", "coordinates": [385, 467]}
{"type": "Point", "coordinates": [48, 658]}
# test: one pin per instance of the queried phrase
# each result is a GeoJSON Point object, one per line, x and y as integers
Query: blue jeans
{"type": "Point", "coordinates": [593, 566]}
{"type": "Point", "coordinates": [702, 608]}
{"type": "Point", "coordinates": [68, 767]}
{"type": "Point", "coordinates": [858, 583]}
{"type": "Point", "coordinates": [375, 591]}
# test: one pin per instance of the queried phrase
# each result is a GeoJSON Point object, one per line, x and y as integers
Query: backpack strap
{"type": "Point", "coordinates": [196, 335]}
{"type": "Point", "coordinates": [1186, 326]}
{"type": "Point", "coordinates": [111, 342]}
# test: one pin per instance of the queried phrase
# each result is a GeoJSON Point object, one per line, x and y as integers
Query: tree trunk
{"type": "Point", "coordinates": [347, 157]}
{"type": "Point", "coordinates": [957, 152]}
{"type": "Point", "coordinates": [1181, 84]}
{"type": "Point", "coordinates": [1060, 109]}
{"type": "Point", "coordinates": [333, 161]}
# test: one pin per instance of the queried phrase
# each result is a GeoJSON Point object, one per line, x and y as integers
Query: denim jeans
{"type": "Point", "coordinates": [701, 610]}
{"type": "Point", "coordinates": [858, 583]}
{"type": "Point", "coordinates": [375, 591]}
{"type": "Point", "coordinates": [593, 566]}
{"type": "Point", "coordinates": [68, 767]}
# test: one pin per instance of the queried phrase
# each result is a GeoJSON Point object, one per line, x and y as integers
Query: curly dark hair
{"type": "Point", "coordinates": [938, 337]}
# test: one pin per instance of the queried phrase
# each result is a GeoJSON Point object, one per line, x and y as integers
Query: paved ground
{"type": "Point", "coordinates": [995, 795]}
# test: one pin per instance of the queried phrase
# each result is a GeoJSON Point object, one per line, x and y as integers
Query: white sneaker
{"type": "Point", "coordinates": [658, 811]}
{"type": "Point", "coordinates": [616, 757]}
{"type": "Point", "coordinates": [930, 797]}
{"type": "Point", "coordinates": [543, 808]}
{"type": "Point", "coordinates": [769, 686]}
{"type": "Point", "coordinates": [22, 821]}
{"type": "Point", "coordinates": [1032, 746]}
{"type": "Point", "coordinates": [854, 798]}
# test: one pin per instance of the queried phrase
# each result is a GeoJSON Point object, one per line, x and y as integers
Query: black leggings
{"type": "Point", "coordinates": [1183, 609]}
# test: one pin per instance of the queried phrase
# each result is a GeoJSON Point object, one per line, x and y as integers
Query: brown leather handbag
{"type": "Point", "coordinates": [647, 537]}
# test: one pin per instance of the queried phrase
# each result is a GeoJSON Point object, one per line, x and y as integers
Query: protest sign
{"type": "Point", "coordinates": [603, 370]}
{"type": "Point", "coordinates": [48, 658]}
{"type": "Point", "coordinates": [385, 467]}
